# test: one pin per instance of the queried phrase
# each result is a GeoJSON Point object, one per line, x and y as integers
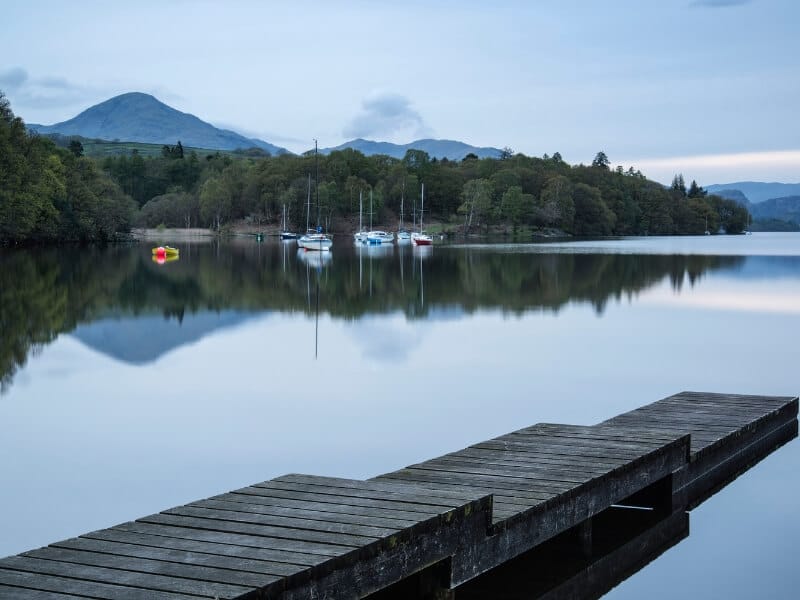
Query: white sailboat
{"type": "Point", "coordinates": [402, 235]}
{"type": "Point", "coordinates": [285, 233]}
{"type": "Point", "coordinates": [314, 239]}
{"type": "Point", "coordinates": [419, 237]}
{"type": "Point", "coordinates": [360, 236]}
{"type": "Point", "coordinates": [377, 236]}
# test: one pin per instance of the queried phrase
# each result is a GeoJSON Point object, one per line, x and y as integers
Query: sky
{"type": "Point", "coordinates": [707, 88]}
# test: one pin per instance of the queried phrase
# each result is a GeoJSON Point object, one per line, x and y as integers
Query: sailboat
{"type": "Point", "coordinates": [360, 237]}
{"type": "Point", "coordinates": [314, 239]}
{"type": "Point", "coordinates": [402, 235]}
{"type": "Point", "coordinates": [419, 237]}
{"type": "Point", "coordinates": [285, 233]}
{"type": "Point", "coordinates": [377, 236]}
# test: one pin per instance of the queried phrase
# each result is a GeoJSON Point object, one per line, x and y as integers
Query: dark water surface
{"type": "Point", "coordinates": [131, 386]}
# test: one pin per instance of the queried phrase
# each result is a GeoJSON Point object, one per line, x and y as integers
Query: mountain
{"type": "Point", "coordinates": [785, 209]}
{"type": "Point", "coordinates": [144, 339]}
{"type": "Point", "coordinates": [450, 149]}
{"type": "Point", "coordinates": [137, 117]}
{"type": "Point", "coordinates": [735, 195]}
{"type": "Point", "coordinates": [757, 191]}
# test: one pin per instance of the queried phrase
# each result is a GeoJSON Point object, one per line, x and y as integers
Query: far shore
{"type": "Point", "coordinates": [344, 228]}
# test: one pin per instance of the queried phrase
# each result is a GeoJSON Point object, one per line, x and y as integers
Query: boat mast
{"type": "Point", "coordinates": [421, 206]}
{"type": "Point", "coordinates": [308, 203]}
{"type": "Point", "coordinates": [316, 161]}
{"type": "Point", "coordinates": [360, 212]}
{"type": "Point", "coordinates": [370, 209]}
{"type": "Point", "coordinates": [402, 194]}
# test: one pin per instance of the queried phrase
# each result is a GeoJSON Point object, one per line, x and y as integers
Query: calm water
{"type": "Point", "coordinates": [130, 387]}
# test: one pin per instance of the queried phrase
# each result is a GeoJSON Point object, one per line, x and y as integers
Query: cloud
{"type": "Point", "coordinates": [387, 115]}
{"type": "Point", "coordinates": [13, 78]}
{"type": "Point", "coordinates": [718, 3]}
{"type": "Point", "coordinates": [28, 92]}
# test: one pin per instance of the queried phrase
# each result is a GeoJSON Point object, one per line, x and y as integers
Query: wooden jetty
{"type": "Point", "coordinates": [457, 517]}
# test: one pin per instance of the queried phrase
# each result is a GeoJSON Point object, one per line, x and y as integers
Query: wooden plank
{"type": "Point", "coordinates": [422, 509]}
{"type": "Point", "coordinates": [281, 505]}
{"type": "Point", "coordinates": [317, 538]}
{"type": "Point", "coordinates": [641, 436]}
{"type": "Point", "coordinates": [521, 443]}
{"type": "Point", "coordinates": [540, 472]}
{"type": "Point", "coordinates": [528, 457]}
{"type": "Point", "coordinates": [212, 548]}
{"type": "Point", "coordinates": [83, 589]}
{"type": "Point", "coordinates": [18, 593]}
{"type": "Point", "coordinates": [511, 455]}
{"type": "Point", "coordinates": [539, 477]}
{"type": "Point", "coordinates": [324, 516]}
{"type": "Point", "coordinates": [144, 581]}
{"type": "Point", "coordinates": [293, 523]}
{"type": "Point", "coordinates": [438, 503]}
{"type": "Point", "coordinates": [146, 566]}
{"type": "Point", "coordinates": [458, 498]}
{"type": "Point", "coordinates": [235, 539]}
{"type": "Point", "coordinates": [166, 554]}
{"type": "Point", "coordinates": [619, 447]}
{"type": "Point", "coordinates": [507, 485]}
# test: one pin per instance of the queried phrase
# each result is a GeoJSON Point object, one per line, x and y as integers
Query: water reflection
{"type": "Point", "coordinates": [623, 541]}
{"type": "Point", "coordinates": [46, 292]}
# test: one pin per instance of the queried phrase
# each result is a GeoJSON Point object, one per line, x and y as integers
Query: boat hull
{"type": "Point", "coordinates": [316, 242]}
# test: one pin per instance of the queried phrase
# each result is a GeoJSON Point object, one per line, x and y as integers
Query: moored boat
{"type": "Point", "coordinates": [380, 237]}
{"type": "Point", "coordinates": [420, 237]}
{"type": "Point", "coordinates": [285, 233]}
{"type": "Point", "coordinates": [315, 240]}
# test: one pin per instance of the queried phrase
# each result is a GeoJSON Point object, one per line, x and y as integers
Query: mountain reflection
{"type": "Point", "coordinates": [47, 292]}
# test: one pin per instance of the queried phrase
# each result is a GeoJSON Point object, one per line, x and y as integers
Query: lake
{"type": "Point", "coordinates": [130, 386]}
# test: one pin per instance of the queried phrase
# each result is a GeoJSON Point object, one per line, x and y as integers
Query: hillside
{"type": "Point", "coordinates": [137, 117]}
{"type": "Point", "coordinates": [736, 195]}
{"type": "Point", "coordinates": [784, 209]}
{"type": "Point", "coordinates": [757, 191]}
{"type": "Point", "coordinates": [450, 149]}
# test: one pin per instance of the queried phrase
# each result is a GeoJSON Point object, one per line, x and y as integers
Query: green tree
{"type": "Point", "coordinates": [556, 207]}
{"type": "Point", "coordinates": [601, 161]}
{"type": "Point", "coordinates": [678, 185]}
{"type": "Point", "coordinates": [76, 148]}
{"type": "Point", "coordinates": [592, 216]}
{"type": "Point", "coordinates": [695, 191]}
{"type": "Point", "coordinates": [516, 206]}
{"type": "Point", "coordinates": [477, 202]}
{"type": "Point", "coordinates": [215, 202]}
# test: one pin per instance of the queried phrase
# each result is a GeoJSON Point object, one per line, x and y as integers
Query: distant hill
{"type": "Point", "coordinates": [450, 149]}
{"type": "Point", "coordinates": [144, 339]}
{"type": "Point", "coordinates": [757, 191]}
{"type": "Point", "coordinates": [785, 209]}
{"type": "Point", "coordinates": [736, 195]}
{"type": "Point", "coordinates": [137, 117]}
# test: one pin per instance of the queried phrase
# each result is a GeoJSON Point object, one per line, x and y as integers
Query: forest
{"type": "Point", "coordinates": [52, 193]}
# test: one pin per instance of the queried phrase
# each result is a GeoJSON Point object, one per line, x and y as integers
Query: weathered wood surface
{"type": "Point", "coordinates": [301, 536]}
{"type": "Point", "coordinates": [730, 433]}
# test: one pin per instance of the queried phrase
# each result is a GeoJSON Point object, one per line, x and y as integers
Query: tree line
{"type": "Point", "coordinates": [52, 194]}
{"type": "Point", "coordinates": [58, 194]}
